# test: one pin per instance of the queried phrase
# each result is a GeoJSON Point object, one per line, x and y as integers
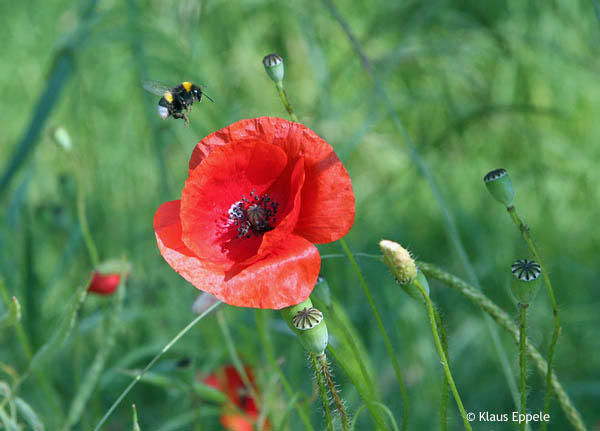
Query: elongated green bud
{"type": "Point", "coordinates": [274, 67]}
{"type": "Point", "coordinates": [527, 273]}
{"type": "Point", "coordinates": [403, 268]}
{"type": "Point", "coordinates": [308, 324]}
{"type": "Point", "coordinates": [62, 139]}
{"type": "Point", "coordinates": [500, 186]}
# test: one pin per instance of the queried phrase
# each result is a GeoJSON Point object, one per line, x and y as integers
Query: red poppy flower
{"type": "Point", "coordinates": [107, 276]}
{"type": "Point", "coordinates": [260, 192]}
{"type": "Point", "coordinates": [104, 284]}
{"type": "Point", "coordinates": [242, 413]}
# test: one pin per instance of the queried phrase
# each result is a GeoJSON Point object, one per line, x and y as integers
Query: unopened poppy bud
{"type": "Point", "coordinates": [308, 324]}
{"type": "Point", "coordinates": [61, 138]}
{"type": "Point", "coordinates": [107, 276]}
{"type": "Point", "coordinates": [527, 273]}
{"type": "Point", "coordinates": [274, 67]}
{"type": "Point", "coordinates": [403, 267]}
{"type": "Point", "coordinates": [500, 186]}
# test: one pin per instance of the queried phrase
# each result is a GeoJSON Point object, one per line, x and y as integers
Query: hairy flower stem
{"type": "Point", "coordinates": [444, 359]}
{"type": "Point", "coordinates": [285, 101]}
{"type": "Point", "coordinates": [324, 397]}
{"type": "Point", "coordinates": [382, 330]}
{"type": "Point", "coordinates": [444, 412]}
{"type": "Point", "coordinates": [527, 238]}
{"type": "Point", "coordinates": [504, 320]}
{"type": "Point", "coordinates": [324, 366]}
{"type": "Point", "coordinates": [523, 360]}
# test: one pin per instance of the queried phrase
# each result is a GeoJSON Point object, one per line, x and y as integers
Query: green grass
{"type": "Point", "coordinates": [512, 84]}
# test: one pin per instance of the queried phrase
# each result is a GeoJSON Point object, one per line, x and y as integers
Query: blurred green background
{"type": "Point", "coordinates": [478, 85]}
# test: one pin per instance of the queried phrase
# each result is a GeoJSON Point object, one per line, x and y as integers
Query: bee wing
{"type": "Point", "coordinates": [155, 87]}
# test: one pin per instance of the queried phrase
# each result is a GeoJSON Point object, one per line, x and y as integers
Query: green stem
{"type": "Point", "coordinates": [322, 359]}
{"type": "Point", "coordinates": [382, 330]}
{"type": "Point", "coordinates": [285, 101]}
{"type": "Point", "coordinates": [527, 238]}
{"type": "Point", "coordinates": [323, 390]}
{"type": "Point", "coordinates": [21, 335]}
{"type": "Point", "coordinates": [268, 349]}
{"type": "Point", "coordinates": [444, 412]}
{"type": "Point", "coordinates": [504, 320]}
{"type": "Point", "coordinates": [152, 362]}
{"type": "Point", "coordinates": [235, 358]}
{"type": "Point", "coordinates": [444, 359]}
{"type": "Point", "coordinates": [81, 216]}
{"type": "Point", "coordinates": [523, 360]}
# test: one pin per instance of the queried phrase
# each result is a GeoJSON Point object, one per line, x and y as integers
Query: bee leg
{"type": "Point", "coordinates": [187, 120]}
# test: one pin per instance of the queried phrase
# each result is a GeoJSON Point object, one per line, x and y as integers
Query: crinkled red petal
{"type": "Point", "coordinates": [220, 181]}
{"type": "Point", "coordinates": [284, 278]}
{"type": "Point", "coordinates": [327, 211]}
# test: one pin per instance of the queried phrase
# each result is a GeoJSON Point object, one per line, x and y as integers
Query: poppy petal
{"type": "Point", "coordinates": [327, 212]}
{"type": "Point", "coordinates": [286, 277]}
{"type": "Point", "coordinates": [287, 191]}
{"type": "Point", "coordinates": [223, 179]}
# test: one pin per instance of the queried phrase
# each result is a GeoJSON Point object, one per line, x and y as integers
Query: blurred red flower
{"type": "Point", "coordinates": [260, 192]}
{"type": "Point", "coordinates": [107, 276]}
{"type": "Point", "coordinates": [242, 414]}
{"type": "Point", "coordinates": [104, 284]}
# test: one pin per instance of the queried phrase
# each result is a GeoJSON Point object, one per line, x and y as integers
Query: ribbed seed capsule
{"type": "Point", "coordinates": [526, 270]}
{"type": "Point", "coordinates": [307, 318]}
{"type": "Point", "coordinates": [500, 186]}
{"type": "Point", "coordinates": [274, 67]}
{"type": "Point", "coordinates": [527, 273]}
{"type": "Point", "coordinates": [308, 324]}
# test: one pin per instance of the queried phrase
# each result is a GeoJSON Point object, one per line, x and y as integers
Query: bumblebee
{"type": "Point", "coordinates": [176, 100]}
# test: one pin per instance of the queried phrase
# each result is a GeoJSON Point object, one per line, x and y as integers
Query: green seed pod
{"type": "Point", "coordinates": [527, 273]}
{"type": "Point", "coordinates": [274, 67]}
{"type": "Point", "coordinates": [500, 186]}
{"type": "Point", "coordinates": [308, 324]}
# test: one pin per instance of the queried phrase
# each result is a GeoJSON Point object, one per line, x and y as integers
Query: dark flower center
{"type": "Point", "coordinates": [255, 215]}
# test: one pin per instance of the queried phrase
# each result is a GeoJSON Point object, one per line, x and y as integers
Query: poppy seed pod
{"type": "Point", "coordinates": [527, 273]}
{"type": "Point", "coordinates": [274, 67]}
{"type": "Point", "coordinates": [500, 186]}
{"type": "Point", "coordinates": [308, 324]}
